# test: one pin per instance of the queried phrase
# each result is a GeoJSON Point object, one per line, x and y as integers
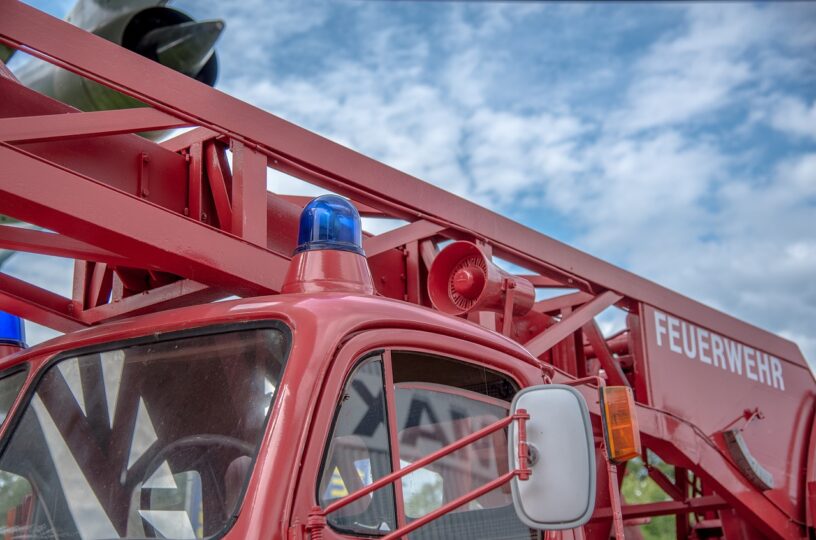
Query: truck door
{"type": "Point", "coordinates": [399, 400]}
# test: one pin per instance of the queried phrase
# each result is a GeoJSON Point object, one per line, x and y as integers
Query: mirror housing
{"type": "Point", "coordinates": [560, 492]}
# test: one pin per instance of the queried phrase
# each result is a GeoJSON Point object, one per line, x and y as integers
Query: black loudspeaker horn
{"type": "Point", "coordinates": [463, 279]}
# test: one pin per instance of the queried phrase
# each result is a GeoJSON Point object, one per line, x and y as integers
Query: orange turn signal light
{"type": "Point", "coordinates": [620, 425]}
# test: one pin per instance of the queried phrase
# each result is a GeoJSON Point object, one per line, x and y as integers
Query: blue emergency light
{"type": "Point", "coordinates": [330, 222]}
{"type": "Point", "coordinates": [12, 330]}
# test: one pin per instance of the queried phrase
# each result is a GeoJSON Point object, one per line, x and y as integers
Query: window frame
{"type": "Point", "coordinates": [366, 357]}
{"type": "Point", "coordinates": [383, 341]}
{"type": "Point", "coordinates": [33, 379]}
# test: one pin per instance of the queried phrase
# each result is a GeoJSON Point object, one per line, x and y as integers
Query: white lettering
{"type": "Point", "coordinates": [674, 335]}
{"type": "Point", "coordinates": [717, 350]}
{"type": "Point", "coordinates": [776, 373]}
{"type": "Point", "coordinates": [660, 329]}
{"type": "Point", "coordinates": [689, 344]}
{"type": "Point", "coordinates": [702, 343]}
{"type": "Point", "coordinates": [763, 368]}
{"type": "Point", "coordinates": [750, 363]}
{"type": "Point", "coordinates": [734, 352]}
{"type": "Point", "coordinates": [694, 342]}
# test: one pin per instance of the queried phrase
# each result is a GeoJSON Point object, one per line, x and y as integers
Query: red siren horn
{"type": "Point", "coordinates": [463, 279]}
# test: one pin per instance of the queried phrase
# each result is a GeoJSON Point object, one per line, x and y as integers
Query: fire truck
{"type": "Point", "coordinates": [238, 363]}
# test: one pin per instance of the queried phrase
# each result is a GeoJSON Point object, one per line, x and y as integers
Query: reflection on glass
{"type": "Point", "coordinates": [15, 496]}
{"type": "Point", "coordinates": [431, 416]}
{"type": "Point", "coordinates": [421, 491]}
{"type": "Point", "coordinates": [149, 441]}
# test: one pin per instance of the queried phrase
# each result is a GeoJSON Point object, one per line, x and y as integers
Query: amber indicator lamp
{"type": "Point", "coordinates": [620, 425]}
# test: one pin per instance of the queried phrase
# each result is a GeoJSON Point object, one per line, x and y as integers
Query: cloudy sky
{"type": "Point", "coordinates": [677, 141]}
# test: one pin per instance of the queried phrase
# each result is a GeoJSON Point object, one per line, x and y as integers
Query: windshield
{"type": "Point", "coordinates": [153, 440]}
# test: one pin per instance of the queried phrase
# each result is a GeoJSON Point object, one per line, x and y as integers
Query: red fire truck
{"type": "Point", "coordinates": [397, 385]}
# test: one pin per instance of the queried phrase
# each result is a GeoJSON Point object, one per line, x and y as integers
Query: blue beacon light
{"type": "Point", "coordinates": [330, 222]}
{"type": "Point", "coordinates": [12, 330]}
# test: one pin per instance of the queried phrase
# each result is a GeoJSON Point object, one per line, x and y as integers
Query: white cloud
{"type": "Point", "coordinates": [693, 73]}
{"type": "Point", "coordinates": [794, 116]}
{"type": "Point", "coordinates": [633, 190]}
{"type": "Point", "coordinates": [641, 183]}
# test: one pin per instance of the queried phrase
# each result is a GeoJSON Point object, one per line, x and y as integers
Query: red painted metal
{"type": "Point", "coordinates": [41, 193]}
{"type": "Point", "coordinates": [159, 226]}
{"type": "Point", "coordinates": [698, 504]}
{"type": "Point", "coordinates": [604, 355]}
{"type": "Point", "coordinates": [555, 305]}
{"type": "Point", "coordinates": [401, 236]}
{"type": "Point", "coordinates": [614, 494]}
{"type": "Point", "coordinates": [462, 279]}
{"type": "Point", "coordinates": [37, 304]}
{"type": "Point", "coordinates": [53, 127]}
{"type": "Point", "coordinates": [328, 271]}
{"type": "Point", "coordinates": [45, 243]}
{"type": "Point", "coordinates": [7, 349]}
{"type": "Point", "coordinates": [572, 322]}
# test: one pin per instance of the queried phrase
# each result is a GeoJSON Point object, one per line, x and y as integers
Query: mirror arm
{"type": "Point", "coordinates": [523, 449]}
{"type": "Point", "coordinates": [614, 492]}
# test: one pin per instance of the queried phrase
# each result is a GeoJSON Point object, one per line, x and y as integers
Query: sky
{"type": "Point", "coordinates": [676, 140]}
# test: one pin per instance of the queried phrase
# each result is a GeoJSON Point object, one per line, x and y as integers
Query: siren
{"type": "Point", "coordinates": [463, 279]}
{"type": "Point", "coordinates": [329, 256]}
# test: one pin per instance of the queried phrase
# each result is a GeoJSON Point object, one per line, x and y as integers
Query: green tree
{"type": "Point", "coordinates": [639, 488]}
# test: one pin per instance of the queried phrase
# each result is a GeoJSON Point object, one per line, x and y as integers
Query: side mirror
{"type": "Point", "coordinates": [560, 492]}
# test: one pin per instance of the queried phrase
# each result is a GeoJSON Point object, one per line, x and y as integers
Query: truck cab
{"type": "Point", "coordinates": [237, 418]}
{"type": "Point", "coordinates": [248, 418]}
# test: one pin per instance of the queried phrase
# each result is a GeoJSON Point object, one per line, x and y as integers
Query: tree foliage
{"type": "Point", "coordinates": [638, 488]}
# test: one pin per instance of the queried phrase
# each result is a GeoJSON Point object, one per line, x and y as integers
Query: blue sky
{"type": "Point", "coordinates": [675, 140]}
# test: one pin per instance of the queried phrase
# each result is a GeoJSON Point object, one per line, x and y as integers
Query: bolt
{"type": "Point", "coordinates": [532, 455]}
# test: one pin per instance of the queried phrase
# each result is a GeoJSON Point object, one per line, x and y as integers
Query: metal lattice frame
{"type": "Point", "coordinates": [156, 226]}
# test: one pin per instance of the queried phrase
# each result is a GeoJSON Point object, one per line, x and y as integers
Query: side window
{"type": "Point", "coordinates": [436, 401]}
{"type": "Point", "coordinates": [439, 401]}
{"type": "Point", "coordinates": [9, 388]}
{"type": "Point", "coordinates": [430, 417]}
{"type": "Point", "coordinates": [359, 453]}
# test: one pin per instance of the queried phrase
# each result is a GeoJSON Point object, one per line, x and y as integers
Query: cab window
{"type": "Point", "coordinates": [10, 383]}
{"type": "Point", "coordinates": [437, 401]}
{"type": "Point", "coordinates": [359, 453]}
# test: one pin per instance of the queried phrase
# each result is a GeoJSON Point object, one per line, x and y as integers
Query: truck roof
{"type": "Point", "coordinates": [339, 313]}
